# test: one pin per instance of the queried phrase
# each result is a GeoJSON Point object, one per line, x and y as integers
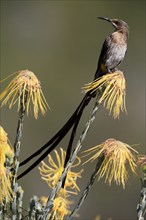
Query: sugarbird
{"type": "Point", "coordinates": [111, 56]}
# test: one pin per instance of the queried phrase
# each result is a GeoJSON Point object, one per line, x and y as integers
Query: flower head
{"type": "Point", "coordinates": [97, 217]}
{"type": "Point", "coordinates": [113, 91]}
{"type": "Point", "coordinates": [61, 205]}
{"type": "Point", "coordinates": [51, 173]}
{"type": "Point", "coordinates": [116, 155]}
{"type": "Point", "coordinates": [24, 89]}
{"type": "Point", "coordinates": [43, 200]}
{"type": "Point", "coordinates": [5, 175]}
{"type": "Point", "coordinates": [5, 149]}
{"type": "Point", "coordinates": [5, 185]}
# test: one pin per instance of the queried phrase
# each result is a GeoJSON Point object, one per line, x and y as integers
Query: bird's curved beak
{"type": "Point", "coordinates": [104, 18]}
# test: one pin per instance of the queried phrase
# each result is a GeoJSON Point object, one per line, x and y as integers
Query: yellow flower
{"type": "Point", "coordinates": [113, 91]}
{"type": "Point", "coordinates": [51, 173]}
{"type": "Point", "coordinates": [61, 205]}
{"type": "Point", "coordinates": [5, 149]}
{"type": "Point", "coordinates": [98, 217]}
{"type": "Point", "coordinates": [5, 185]}
{"type": "Point", "coordinates": [60, 208]}
{"type": "Point", "coordinates": [116, 155]}
{"type": "Point", "coordinates": [25, 88]}
{"type": "Point", "coordinates": [43, 200]}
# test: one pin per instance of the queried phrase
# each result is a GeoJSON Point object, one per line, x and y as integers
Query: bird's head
{"type": "Point", "coordinates": [117, 23]}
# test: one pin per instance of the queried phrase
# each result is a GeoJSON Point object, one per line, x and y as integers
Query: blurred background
{"type": "Point", "coordinates": [60, 41]}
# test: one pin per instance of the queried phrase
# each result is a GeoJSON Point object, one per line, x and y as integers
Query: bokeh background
{"type": "Point", "coordinates": [60, 41]}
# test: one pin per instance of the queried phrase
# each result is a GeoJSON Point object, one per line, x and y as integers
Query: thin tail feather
{"type": "Point", "coordinates": [59, 136]}
{"type": "Point", "coordinates": [63, 130]}
{"type": "Point", "coordinates": [74, 130]}
{"type": "Point", "coordinates": [68, 152]}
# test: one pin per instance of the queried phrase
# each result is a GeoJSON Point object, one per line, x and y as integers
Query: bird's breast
{"type": "Point", "coordinates": [116, 55]}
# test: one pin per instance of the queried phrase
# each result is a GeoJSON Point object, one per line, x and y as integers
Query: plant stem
{"type": "Point", "coordinates": [51, 198]}
{"type": "Point", "coordinates": [88, 187]}
{"type": "Point", "coordinates": [141, 208]}
{"type": "Point", "coordinates": [16, 161]}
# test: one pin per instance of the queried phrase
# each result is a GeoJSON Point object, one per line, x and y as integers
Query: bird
{"type": "Point", "coordinates": [111, 56]}
{"type": "Point", "coordinates": [114, 47]}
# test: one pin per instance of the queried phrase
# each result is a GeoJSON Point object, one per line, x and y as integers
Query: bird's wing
{"type": "Point", "coordinates": [104, 51]}
{"type": "Point", "coordinates": [101, 69]}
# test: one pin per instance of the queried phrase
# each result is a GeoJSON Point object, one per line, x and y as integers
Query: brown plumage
{"type": "Point", "coordinates": [114, 48]}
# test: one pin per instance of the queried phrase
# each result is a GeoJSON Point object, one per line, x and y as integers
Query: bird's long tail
{"type": "Point", "coordinates": [53, 142]}
{"type": "Point", "coordinates": [99, 72]}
